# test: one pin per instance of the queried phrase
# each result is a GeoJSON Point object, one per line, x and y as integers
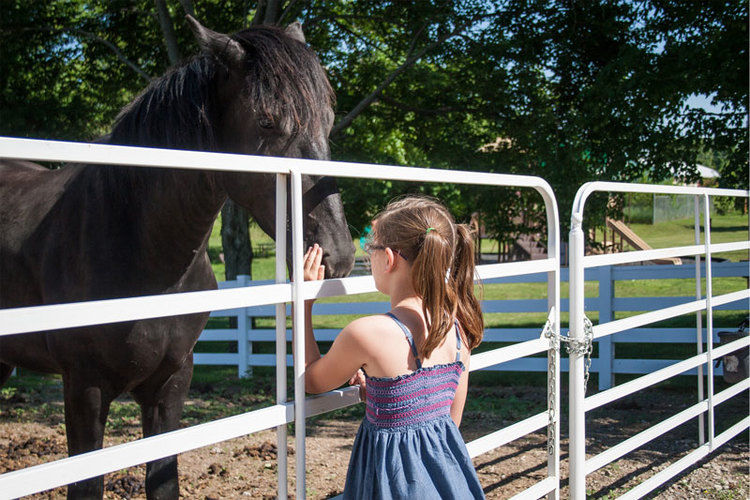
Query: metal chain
{"type": "Point", "coordinates": [554, 346]}
{"type": "Point", "coordinates": [583, 347]}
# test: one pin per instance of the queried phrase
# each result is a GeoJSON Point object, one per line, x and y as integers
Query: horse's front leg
{"type": "Point", "coordinates": [161, 409]}
{"type": "Point", "coordinates": [87, 401]}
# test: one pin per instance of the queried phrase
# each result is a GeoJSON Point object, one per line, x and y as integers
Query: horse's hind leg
{"type": "Point", "coordinates": [161, 409]}
{"type": "Point", "coordinates": [86, 407]}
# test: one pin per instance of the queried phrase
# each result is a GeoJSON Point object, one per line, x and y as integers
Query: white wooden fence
{"type": "Point", "coordinates": [606, 304]}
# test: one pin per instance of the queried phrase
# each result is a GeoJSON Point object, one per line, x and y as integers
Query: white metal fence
{"type": "Point", "coordinates": [41, 318]}
{"type": "Point", "coordinates": [606, 303]}
{"type": "Point", "coordinates": [583, 334]}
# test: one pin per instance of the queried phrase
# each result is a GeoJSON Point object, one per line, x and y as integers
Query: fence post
{"type": "Point", "coordinates": [577, 430]}
{"type": "Point", "coordinates": [281, 393]}
{"type": "Point", "coordinates": [709, 320]}
{"type": "Point", "coordinates": [606, 346]}
{"type": "Point", "coordinates": [298, 332]}
{"type": "Point", "coordinates": [244, 347]}
{"type": "Point", "coordinates": [699, 318]}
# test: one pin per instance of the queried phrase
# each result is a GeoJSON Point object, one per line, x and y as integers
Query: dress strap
{"type": "Point", "coordinates": [409, 337]}
{"type": "Point", "coordinates": [458, 342]}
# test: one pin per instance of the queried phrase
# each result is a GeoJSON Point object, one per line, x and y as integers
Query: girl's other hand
{"type": "Point", "coordinates": [312, 269]}
{"type": "Point", "coordinates": [360, 380]}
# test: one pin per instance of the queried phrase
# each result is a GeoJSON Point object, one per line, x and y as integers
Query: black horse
{"type": "Point", "coordinates": [86, 232]}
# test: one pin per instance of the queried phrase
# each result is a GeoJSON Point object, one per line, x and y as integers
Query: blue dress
{"type": "Point", "coordinates": [408, 447]}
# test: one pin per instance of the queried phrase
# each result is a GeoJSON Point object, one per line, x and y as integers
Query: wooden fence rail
{"type": "Point", "coordinates": [607, 303]}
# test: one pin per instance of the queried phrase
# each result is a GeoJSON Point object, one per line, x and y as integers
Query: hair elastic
{"type": "Point", "coordinates": [429, 229]}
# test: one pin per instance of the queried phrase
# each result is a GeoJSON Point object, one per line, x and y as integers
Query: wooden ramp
{"type": "Point", "coordinates": [636, 242]}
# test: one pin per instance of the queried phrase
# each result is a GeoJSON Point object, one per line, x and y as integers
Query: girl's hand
{"type": "Point", "coordinates": [360, 380]}
{"type": "Point", "coordinates": [312, 269]}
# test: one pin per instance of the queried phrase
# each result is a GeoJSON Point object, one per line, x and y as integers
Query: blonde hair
{"type": "Point", "coordinates": [441, 254]}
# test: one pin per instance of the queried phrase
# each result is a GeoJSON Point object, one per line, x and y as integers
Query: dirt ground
{"type": "Point", "coordinates": [246, 467]}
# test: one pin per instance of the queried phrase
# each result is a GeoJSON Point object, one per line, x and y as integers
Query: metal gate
{"type": "Point", "coordinates": [95, 463]}
{"type": "Point", "coordinates": [583, 333]}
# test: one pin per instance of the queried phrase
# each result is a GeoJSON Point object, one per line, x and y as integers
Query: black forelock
{"type": "Point", "coordinates": [284, 79]}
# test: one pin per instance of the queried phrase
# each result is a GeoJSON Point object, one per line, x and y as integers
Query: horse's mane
{"type": "Point", "coordinates": [284, 82]}
{"type": "Point", "coordinates": [175, 111]}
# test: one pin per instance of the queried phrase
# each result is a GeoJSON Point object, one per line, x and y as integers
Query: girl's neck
{"type": "Point", "coordinates": [408, 301]}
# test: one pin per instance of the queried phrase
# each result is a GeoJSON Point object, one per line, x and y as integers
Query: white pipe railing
{"type": "Point", "coordinates": [580, 404]}
{"type": "Point", "coordinates": [61, 316]}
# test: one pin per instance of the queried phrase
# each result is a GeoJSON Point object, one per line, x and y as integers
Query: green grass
{"type": "Point", "coordinates": [263, 268]}
{"type": "Point", "coordinates": [724, 228]}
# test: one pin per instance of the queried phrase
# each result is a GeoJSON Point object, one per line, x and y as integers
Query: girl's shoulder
{"type": "Point", "coordinates": [375, 324]}
{"type": "Point", "coordinates": [372, 331]}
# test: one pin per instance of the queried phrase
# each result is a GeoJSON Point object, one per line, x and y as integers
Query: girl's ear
{"type": "Point", "coordinates": [391, 263]}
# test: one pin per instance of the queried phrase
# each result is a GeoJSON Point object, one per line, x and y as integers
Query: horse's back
{"type": "Point", "coordinates": [27, 186]}
{"type": "Point", "coordinates": [21, 165]}
{"type": "Point", "coordinates": [28, 195]}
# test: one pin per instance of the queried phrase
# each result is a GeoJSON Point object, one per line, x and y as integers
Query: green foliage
{"type": "Point", "coordinates": [569, 91]}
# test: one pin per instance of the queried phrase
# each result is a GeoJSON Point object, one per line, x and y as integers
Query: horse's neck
{"type": "Point", "coordinates": [171, 211]}
{"type": "Point", "coordinates": [182, 207]}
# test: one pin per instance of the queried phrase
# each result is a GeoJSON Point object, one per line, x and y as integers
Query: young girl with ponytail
{"type": "Point", "coordinates": [413, 360]}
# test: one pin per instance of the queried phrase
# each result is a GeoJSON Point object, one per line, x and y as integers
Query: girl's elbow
{"type": "Point", "coordinates": [312, 386]}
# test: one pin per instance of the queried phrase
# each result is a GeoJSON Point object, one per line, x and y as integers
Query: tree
{"type": "Point", "coordinates": [569, 90]}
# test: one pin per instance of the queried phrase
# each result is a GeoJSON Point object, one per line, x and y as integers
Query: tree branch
{"type": "Point", "coordinates": [111, 46]}
{"type": "Point", "coordinates": [188, 7]}
{"type": "Point", "coordinates": [286, 12]}
{"type": "Point", "coordinates": [167, 29]}
{"type": "Point", "coordinates": [370, 98]}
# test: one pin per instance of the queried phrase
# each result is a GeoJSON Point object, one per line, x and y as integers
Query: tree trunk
{"type": "Point", "coordinates": [271, 15]}
{"type": "Point", "coordinates": [235, 240]}
{"type": "Point", "coordinates": [167, 29]}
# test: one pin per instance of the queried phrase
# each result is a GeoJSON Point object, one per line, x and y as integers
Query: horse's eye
{"type": "Point", "coordinates": [265, 123]}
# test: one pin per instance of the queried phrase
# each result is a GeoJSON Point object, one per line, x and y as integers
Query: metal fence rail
{"type": "Point", "coordinates": [550, 485]}
{"type": "Point", "coordinates": [582, 334]}
{"type": "Point", "coordinates": [41, 318]}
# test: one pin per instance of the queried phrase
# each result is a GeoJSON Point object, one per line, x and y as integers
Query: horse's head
{"type": "Point", "coordinates": [278, 102]}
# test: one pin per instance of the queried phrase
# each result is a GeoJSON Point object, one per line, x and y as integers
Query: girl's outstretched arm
{"type": "Point", "coordinates": [346, 355]}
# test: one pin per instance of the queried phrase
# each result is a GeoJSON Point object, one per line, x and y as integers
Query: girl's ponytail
{"type": "Point", "coordinates": [441, 254]}
{"type": "Point", "coordinates": [468, 310]}
{"type": "Point", "coordinates": [430, 280]}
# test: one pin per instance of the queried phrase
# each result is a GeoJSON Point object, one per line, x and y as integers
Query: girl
{"type": "Point", "coordinates": [415, 358]}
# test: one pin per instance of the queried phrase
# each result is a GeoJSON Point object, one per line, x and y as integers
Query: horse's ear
{"type": "Point", "coordinates": [294, 30]}
{"type": "Point", "coordinates": [219, 44]}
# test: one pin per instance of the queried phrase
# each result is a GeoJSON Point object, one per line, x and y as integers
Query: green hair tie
{"type": "Point", "coordinates": [429, 229]}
